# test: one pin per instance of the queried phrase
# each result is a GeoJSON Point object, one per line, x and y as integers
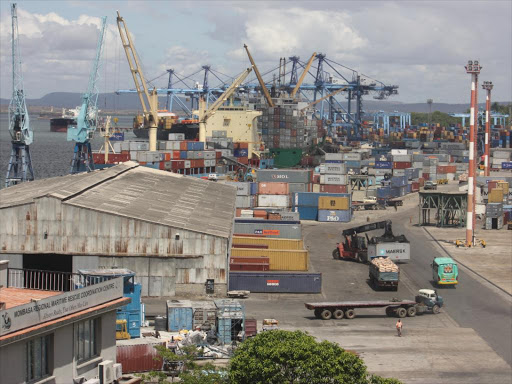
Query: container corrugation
{"type": "Point", "coordinates": [333, 203]}
{"type": "Point", "coordinates": [270, 243]}
{"type": "Point", "coordinates": [249, 267]}
{"type": "Point", "coordinates": [250, 246]}
{"type": "Point", "coordinates": [277, 201]}
{"type": "Point", "coordinates": [179, 315]}
{"type": "Point", "coordinates": [333, 188]}
{"type": "Point", "coordinates": [307, 213]}
{"type": "Point", "coordinates": [280, 260]}
{"type": "Point", "coordinates": [290, 176]}
{"type": "Point", "coordinates": [260, 260]}
{"type": "Point", "coordinates": [269, 188]}
{"type": "Point", "coordinates": [251, 327]}
{"type": "Point", "coordinates": [276, 282]}
{"type": "Point", "coordinates": [333, 179]}
{"type": "Point", "coordinates": [139, 357]}
{"type": "Point", "coordinates": [310, 199]}
{"type": "Point", "coordinates": [339, 216]}
{"type": "Point", "coordinates": [298, 187]}
{"type": "Point", "coordinates": [333, 169]}
{"type": "Point", "coordinates": [290, 216]}
{"type": "Point", "coordinates": [283, 231]}
{"type": "Point", "coordinates": [242, 189]}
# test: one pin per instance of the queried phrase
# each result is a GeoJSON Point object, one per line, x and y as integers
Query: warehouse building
{"type": "Point", "coordinates": [173, 231]}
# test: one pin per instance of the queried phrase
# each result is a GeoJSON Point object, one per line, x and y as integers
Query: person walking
{"type": "Point", "coordinates": [399, 326]}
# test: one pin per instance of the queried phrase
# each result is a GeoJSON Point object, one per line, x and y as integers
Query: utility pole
{"type": "Point", "coordinates": [429, 102]}
{"type": "Point", "coordinates": [473, 68]}
{"type": "Point", "coordinates": [487, 85]}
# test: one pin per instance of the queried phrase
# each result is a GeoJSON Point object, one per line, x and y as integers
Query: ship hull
{"type": "Point", "coordinates": [60, 124]}
{"type": "Point", "coordinates": [190, 130]}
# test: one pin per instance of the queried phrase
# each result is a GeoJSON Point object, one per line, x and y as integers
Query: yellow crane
{"type": "Point", "coordinates": [260, 79]}
{"type": "Point", "coordinates": [149, 101]}
{"type": "Point", "coordinates": [205, 114]}
{"type": "Point", "coordinates": [301, 79]}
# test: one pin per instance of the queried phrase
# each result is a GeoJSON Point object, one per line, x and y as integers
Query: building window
{"type": "Point", "coordinates": [86, 339]}
{"type": "Point", "coordinates": [38, 358]}
{"type": "Point", "coordinates": [227, 122]}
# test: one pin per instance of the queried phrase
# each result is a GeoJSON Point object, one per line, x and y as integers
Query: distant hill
{"type": "Point", "coordinates": [130, 101]}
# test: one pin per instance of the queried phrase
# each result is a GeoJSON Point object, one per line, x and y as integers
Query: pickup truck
{"type": "Point", "coordinates": [430, 185]}
{"type": "Point", "coordinates": [427, 300]}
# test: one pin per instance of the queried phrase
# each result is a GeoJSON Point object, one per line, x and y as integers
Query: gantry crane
{"type": "Point", "coordinates": [301, 79]}
{"type": "Point", "coordinates": [151, 113]}
{"type": "Point", "coordinates": [260, 79]}
{"type": "Point", "coordinates": [205, 114]}
{"type": "Point", "coordinates": [20, 163]}
{"type": "Point", "coordinates": [86, 122]}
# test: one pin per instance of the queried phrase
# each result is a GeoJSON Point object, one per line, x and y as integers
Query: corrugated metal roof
{"type": "Point", "coordinates": [141, 193]}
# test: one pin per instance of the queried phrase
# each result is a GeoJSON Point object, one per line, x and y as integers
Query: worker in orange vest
{"type": "Point", "coordinates": [399, 327]}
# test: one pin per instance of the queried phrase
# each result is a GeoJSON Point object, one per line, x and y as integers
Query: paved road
{"type": "Point", "coordinates": [473, 304]}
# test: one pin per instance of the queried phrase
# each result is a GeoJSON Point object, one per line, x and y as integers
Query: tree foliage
{"type": "Point", "coordinates": [436, 118]}
{"type": "Point", "coordinates": [295, 357]}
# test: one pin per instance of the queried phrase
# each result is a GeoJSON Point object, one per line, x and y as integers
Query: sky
{"type": "Point", "coordinates": [421, 46]}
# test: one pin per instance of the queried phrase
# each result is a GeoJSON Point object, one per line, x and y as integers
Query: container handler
{"type": "Point", "coordinates": [363, 249]}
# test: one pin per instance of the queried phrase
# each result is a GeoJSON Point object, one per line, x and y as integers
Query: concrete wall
{"type": "Point", "coordinates": [50, 226]}
{"type": "Point", "coordinates": [13, 359]}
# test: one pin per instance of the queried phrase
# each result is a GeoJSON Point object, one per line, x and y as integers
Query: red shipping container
{"type": "Point", "coordinates": [333, 188]}
{"type": "Point", "coordinates": [254, 246]}
{"type": "Point", "coordinates": [426, 176]}
{"type": "Point", "coordinates": [243, 160]}
{"type": "Point", "coordinates": [260, 260]}
{"type": "Point", "coordinates": [491, 185]}
{"type": "Point", "coordinates": [251, 327]}
{"type": "Point", "coordinates": [176, 155]}
{"type": "Point", "coordinates": [265, 188]}
{"type": "Point", "coordinates": [178, 164]}
{"type": "Point", "coordinates": [243, 145]}
{"type": "Point", "coordinates": [161, 166]}
{"type": "Point", "coordinates": [184, 145]}
{"type": "Point", "coordinates": [238, 212]}
{"type": "Point", "coordinates": [218, 154]}
{"type": "Point", "coordinates": [236, 145]}
{"type": "Point", "coordinates": [260, 213]}
{"type": "Point", "coordinates": [139, 357]}
{"type": "Point", "coordinates": [316, 179]}
{"type": "Point", "coordinates": [249, 267]}
{"type": "Point", "coordinates": [402, 164]}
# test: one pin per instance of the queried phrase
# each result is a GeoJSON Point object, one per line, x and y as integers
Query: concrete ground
{"type": "Point", "coordinates": [468, 342]}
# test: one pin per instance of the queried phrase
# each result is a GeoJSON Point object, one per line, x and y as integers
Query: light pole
{"type": "Point", "coordinates": [473, 68]}
{"type": "Point", "coordinates": [429, 102]}
{"type": "Point", "coordinates": [487, 85]}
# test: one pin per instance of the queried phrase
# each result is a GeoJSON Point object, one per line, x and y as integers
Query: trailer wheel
{"type": "Point", "coordinates": [350, 313]}
{"type": "Point", "coordinates": [338, 314]}
{"type": "Point", "coordinates": [411, 311]}
{"type": "Point", "coordinates": [390, 311]}
{"type": "Point", "coordinates": [326, 314]}
{"type": "Point", "coordinates": [318, 312]}
{"type": "Point", "coordinates": [435, 309]}
{"type": "Point", "coordinates": [401, 312]}
{"type": "Point", "coordinates": [336, 254]}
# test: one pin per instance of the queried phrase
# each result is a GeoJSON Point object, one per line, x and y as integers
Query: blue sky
{"type": "Point", "coordinates": [420, 45]}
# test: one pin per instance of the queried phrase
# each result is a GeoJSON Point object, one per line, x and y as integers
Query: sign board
{"type": "Point", "coordinates": [395, 251]}
{"type": "Point", "coordinates": [53, 307]}
{"type": "Point", "coordinates": [268, 232]}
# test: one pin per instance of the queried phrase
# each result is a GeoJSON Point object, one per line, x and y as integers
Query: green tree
{"type": "Point", "coordinates": [280, 357]}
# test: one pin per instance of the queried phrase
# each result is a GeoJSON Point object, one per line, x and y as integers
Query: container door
{"type": "Point", "coordinates": [134, 324]}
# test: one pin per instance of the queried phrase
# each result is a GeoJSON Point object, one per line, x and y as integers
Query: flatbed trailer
{"type": "Point", "coordinates": [400, 308]}
{"type": "Point", "coordinates": [360, 206]}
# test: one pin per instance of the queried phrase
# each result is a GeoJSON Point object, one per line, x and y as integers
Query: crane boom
{"type": "Point", "coordinates": [301, 79]}
{"type": "Point", "coordinates": [20, 163]}
{"type": "Point", "coordinates": [260, 79]}
{"type": "Point", "coordinates": [325, 97]}
{"type": "Point", "coordinates": [149, 102]}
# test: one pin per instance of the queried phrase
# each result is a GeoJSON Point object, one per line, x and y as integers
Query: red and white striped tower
{"type": "Point", "coordinates": [474, 69]}
{"type": "Point", "coordinates": [487, 85]}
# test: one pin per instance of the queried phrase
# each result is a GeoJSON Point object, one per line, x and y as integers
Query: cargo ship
{"type": "Point", "coordinates": [68, 117]}
{"type": "Point", "coordinates": [168, 122]}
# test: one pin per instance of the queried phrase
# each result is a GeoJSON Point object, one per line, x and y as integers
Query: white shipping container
{"type": "Point", "coordinates": [242, 189]}
{"type": "Point", "coordinates": [395, 251]}
{"type": "Point", "coordinates": [399, 152]}
{"type": "Point", "coordinates": [117, 147]}
{"type": "Point", "coordinates": [352, 156]}
{"type": "Point", "coordinates": [125, 145]}
{"type": "Point", "coordinates": [243, 202]}
{"type": "Point", "coordinates": [208, 155]}
{"type": "Point", "coordinates": [333, 179]}
{"type": "Point", "coordinates": [402, 158]}
{"type": "Point", "coordinates": [504, 155]}
{"type": "Point", "coordinates": [334, 156]}
{"type": "Point", "coordinates": [274, 201]}
{"type": "Point", "coordinates": [187, 164]}
{"type": "Point", "coordinates": [333, 168]}
{"type": "Point", "coordinates": [176, 136]}
{"type": "Point", "coordinates": [398, 172]}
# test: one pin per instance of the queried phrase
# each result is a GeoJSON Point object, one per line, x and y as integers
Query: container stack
{"type": "Point", "coordinates": [501, 159]}
{"type": "Point", "coordinates": [333, 175]}
{"type": "Point", "coordinates": [273, 195]}
{"type": "Point", "coordinates": [307, 205]}
{"type": "Point", "coordinates": [244, 198]}
{"type": "Point", "coordinates": [494, 216]}
{"type": "Point", "coordinates": [334, 209]}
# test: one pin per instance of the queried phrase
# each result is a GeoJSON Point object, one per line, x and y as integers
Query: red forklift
{"type": "Point", "coordinates": [355, 247]}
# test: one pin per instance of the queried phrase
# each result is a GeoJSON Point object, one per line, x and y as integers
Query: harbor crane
{"type": "Point", "coordinates": [87, 119]}
{"type": "Point", "coordinates": [204, 114]}
{"type": "Point", "coordinates": [260, 79]}
{"type": "Point", "coordinates": [304, 73]}
{"type": "Point", "coordinates": [149, 101]}
{"type": "Point", "coordinates": [20, 162]}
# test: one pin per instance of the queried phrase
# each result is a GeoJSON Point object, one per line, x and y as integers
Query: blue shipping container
{"type": "Point", "coordinates": [183, 154]}
{"type": "Point", "coordinates": [277, 282]}
{"type": "Point", "coordinates": [307, 213]}
{"type": "Point", "coordinates": [353, 164]}
{"type": "Point", "coordinates": [506, 165]}
{"type": "Point", "coordinates": [132, 322]}
{"type": "Point", "coordinates": [383, 165]}
{"type": "Point", "coordinates": [334, 216]}
{"type": "Point", "coordinates": [179, 317]}
{"type": "Point", "coordinates": [198, 146]}
{"type": "Point", "coordinates": [310, 199]}
{"type": "Point", "coordinates": [241, 152]}
{"type": "Point", "coordinates": [384, 192]}
{"type": "Point", "coordinates": [190, 145]}
{"type": "Point", "coordinates": [254, 188]}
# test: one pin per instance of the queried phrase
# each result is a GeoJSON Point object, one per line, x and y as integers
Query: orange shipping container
{"type": "Point", "coordinates": [260, 213]}
{"type": "Point", "coordinates": [273, 188]}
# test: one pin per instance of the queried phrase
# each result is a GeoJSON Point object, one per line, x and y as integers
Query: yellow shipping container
{"type": "Point", "coordinates": [503, 185]}
{"type": "Point", "coordinates": [280, 260]}
{"type": "Point", "coordinates": [272, 243]}
{"type": "Point", "coordinates": [496, 195]}
{"type": "Point", "coordinates": [333, 203]}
